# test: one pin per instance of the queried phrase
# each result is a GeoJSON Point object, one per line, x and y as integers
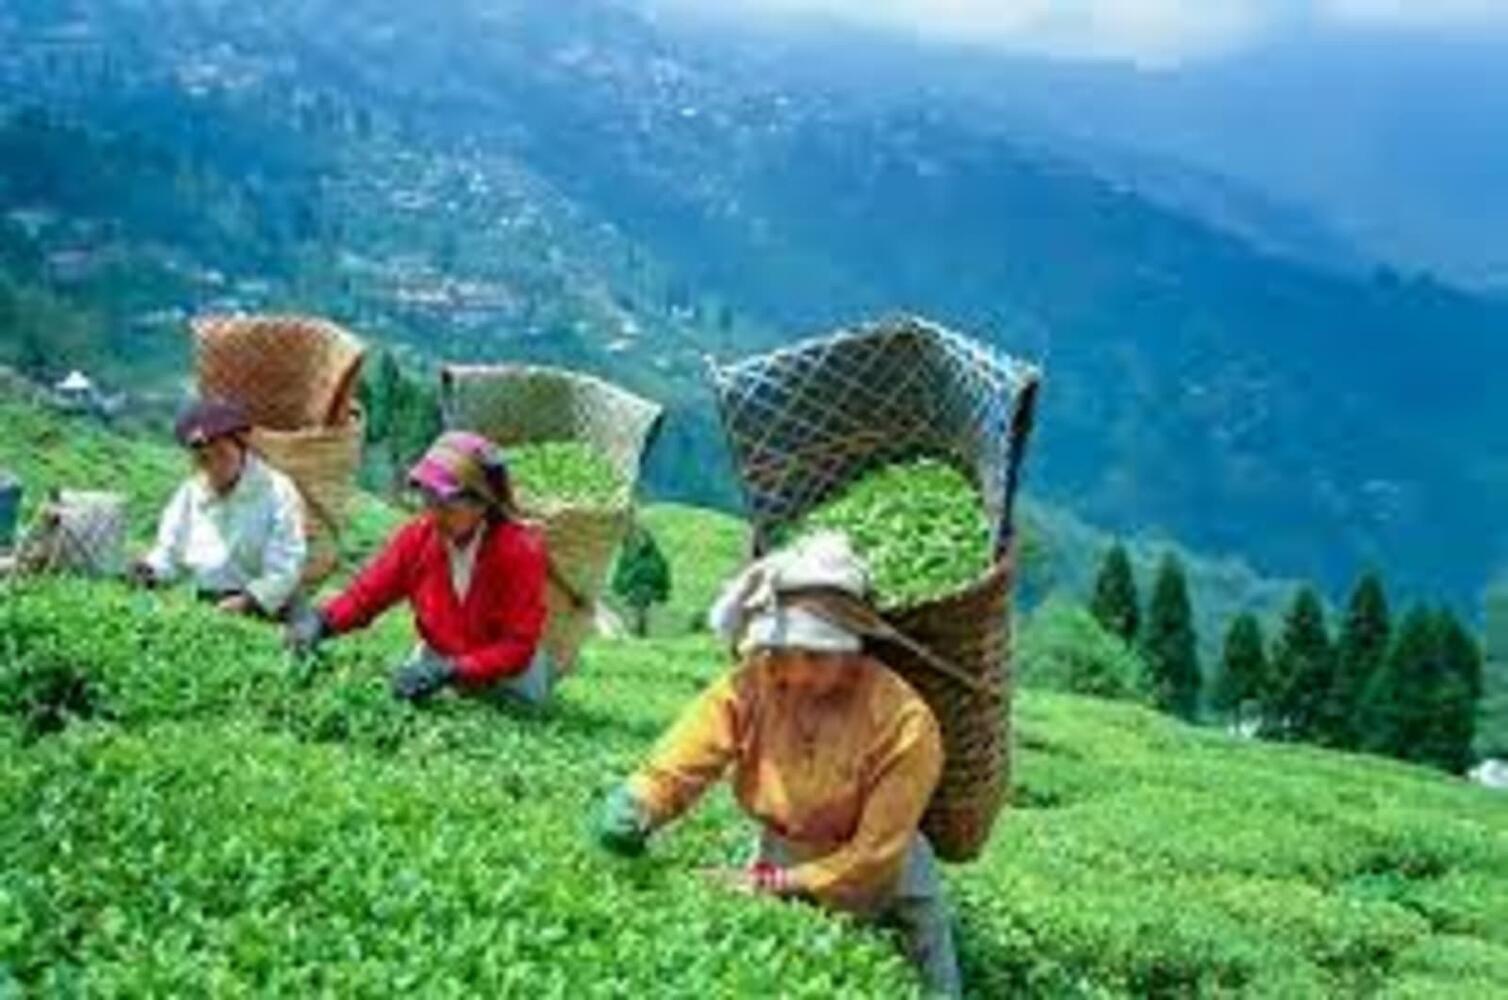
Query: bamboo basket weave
{"type": "Point", "coordinates": [296, 376]}
{"type": "Point", "coordinates": [805, 421]}
{"type": "Point", "coordinates": [524, 404]}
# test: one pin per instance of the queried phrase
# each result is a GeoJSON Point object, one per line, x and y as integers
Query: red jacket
{"type": "Point", "coordinates": [490, 635]}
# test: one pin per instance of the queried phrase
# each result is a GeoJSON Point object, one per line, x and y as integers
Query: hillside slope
{"type": "Point", "coordinates": [191, 811]}
{"type": "Point", "coordinates": [228, 822]}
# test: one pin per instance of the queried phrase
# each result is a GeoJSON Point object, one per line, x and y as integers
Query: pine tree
{"type": "Point", "coordinates": [1458, 691]}
{"type": "Point", "coordinates": [1492, 718]}
{"type": "Point", "coordinates": [642, 576]}
{"type": "Point", "coordinates": [1303, 669]}
{"type": "Point", "coordinates": [1116, 605]}
{"type": "Point", "coordinates": [1363, 647]}
{"type": "Point", "coordinates": [1243, 669]}
{"type": "Point", "coordinates": [1401, 698]}
{"type": "Point", "coordinates": [1170, 645]}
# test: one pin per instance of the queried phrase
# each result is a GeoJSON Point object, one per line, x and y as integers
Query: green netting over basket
{"type": "Point", "coordinates": [805, 421]}
{"type": "Point", "coordinates": [296, 376]}
{"type": "Point", "coordinates": [525, 404]}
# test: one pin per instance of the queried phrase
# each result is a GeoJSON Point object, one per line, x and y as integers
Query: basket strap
{"type": "Point", "coordinates": [846, 611]}
{"type": "Point", "coordinates": [572, 594]}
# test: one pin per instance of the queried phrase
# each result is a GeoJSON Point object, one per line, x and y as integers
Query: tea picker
{"type": "Point", "coordinates": [833, 754]}
{"type": "Point", "coordinates": [233, 528]}
{"type": "Point", "coordinates": [472, 571]}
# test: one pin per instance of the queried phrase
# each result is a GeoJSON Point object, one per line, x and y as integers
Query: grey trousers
{"type": "Point", "coordinates": [918, 910]}
{"type": "Point", "coordinates": [532, 687]}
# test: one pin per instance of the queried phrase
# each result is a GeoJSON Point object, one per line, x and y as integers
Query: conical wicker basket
{"type": "Point", "coordinates": [296, 376]}
{"type": "Point", "coordinates": [524, 404]}
{"type": "Point", "coordinates": [805, 421]}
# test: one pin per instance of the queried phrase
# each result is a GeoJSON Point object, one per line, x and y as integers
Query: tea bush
{"type": "Point", "coordinates": [221, 820]}
{"type": "Point", "coordinates": [920, 525]}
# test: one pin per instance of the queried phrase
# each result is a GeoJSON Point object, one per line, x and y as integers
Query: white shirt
{"type": "Point", "coordinates": [463, 563]}
{"type": "Point", "coordinates": [249, 540]}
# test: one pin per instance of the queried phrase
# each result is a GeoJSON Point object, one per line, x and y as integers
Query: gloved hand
{"type": "Point", "coordinates": [305, 630]}
{"type": "Point", "coordinates": [621, 825]}
{"type": "Point", "coordinates": [419, 678]}
{"type": "Point", "coordinates": [140, 574]}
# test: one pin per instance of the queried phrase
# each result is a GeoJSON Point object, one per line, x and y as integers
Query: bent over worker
{"type": "Point", "coordinates": [832, 753]}
{"type": "Point", "coordinates": [473, 573]}
{"type": "Point", "coordinates": [234, 528]}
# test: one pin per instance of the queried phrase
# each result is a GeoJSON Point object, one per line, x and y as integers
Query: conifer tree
{"type": "Point", "coordinates": [1303, 668]}
{"type": "Point", "coordinates": [1401, 698]}
{"type": "Point", "coordinates": [1170, 645]}
{"type": "Point", "coordinates": [641, 577]}
{"type": "Point", "coordinates": [1243, 670]}
{"type": "Point", "coordinates": [1116, 605]}
{"type": "Point", "coordinates": [1362, 648]}
{"type": "Point", "coordinates": [1457, 693]}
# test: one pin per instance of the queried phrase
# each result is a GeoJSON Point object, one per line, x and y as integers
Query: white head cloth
{"type": "Point", "coordinates": [749, 612]}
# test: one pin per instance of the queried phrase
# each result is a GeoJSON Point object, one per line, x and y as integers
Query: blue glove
{"type": "Point", "coordinates": [305, 630]}
{"type": "Point", "coordinates": [419, 678]}
{"type": "Point", "coordinates": [622, 827]}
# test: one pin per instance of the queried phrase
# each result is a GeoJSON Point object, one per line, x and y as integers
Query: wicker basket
{"type": "Point", "coordinates": [805, 421]}
{"type": "Point", "coordinates": [522, 404]}
{"type": "Point", "coordinates": [78, 531]}
{"type": "Point", "coordinates": [296, 377]}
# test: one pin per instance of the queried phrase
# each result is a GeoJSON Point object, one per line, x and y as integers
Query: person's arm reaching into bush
{"type": "Point", "coordinates": [382, 583]}
{"type": "Point", "coordinates": [688, 760]}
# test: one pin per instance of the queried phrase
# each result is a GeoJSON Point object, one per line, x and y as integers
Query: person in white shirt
{"type": "Point", "coordinates": [234, 528]}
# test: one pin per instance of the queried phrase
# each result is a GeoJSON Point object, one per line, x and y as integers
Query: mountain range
{"type": "Point", "coordinates": [589, 183]}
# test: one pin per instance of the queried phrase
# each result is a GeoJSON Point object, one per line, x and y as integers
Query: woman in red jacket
{"type": "Point", "coordinates": [473, 573]}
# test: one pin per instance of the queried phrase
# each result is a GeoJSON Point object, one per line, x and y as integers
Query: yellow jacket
{"type": "Point", "coordinates": [843, 779]}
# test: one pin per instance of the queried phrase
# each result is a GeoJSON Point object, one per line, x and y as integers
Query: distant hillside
{"type": "Point", "coordinates": [581, 186]}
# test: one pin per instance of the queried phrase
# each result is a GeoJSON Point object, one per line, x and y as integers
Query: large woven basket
{"type": "Point", "coordinates": [296, 376]}
{"type": "Point", "coordinates": [805, 421]}
{"type": "Point", "coordinates": [524, 404]}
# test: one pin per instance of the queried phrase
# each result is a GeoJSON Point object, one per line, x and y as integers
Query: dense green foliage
{"type": "Point", "coordinates": [1421, 706]}
{"type": "Point", "coordinates": [641, 577]}
{"type": "Point", "coordinates": [1115, 603]}
{"type": "Point", "coordinates": [225, 821]}
{"type": "Point", "coordinates": [1169, 644]}
{"type": "Point", "coordinates": [919, 524]}
{"type": "Point", "coordinates": [1065, 648]}
{"type": "Point", "coordinates": [1303, 670]}
{"type": "Point", "coordinates": [1243, 677]}
{"type": "Point", "coordinates": [563, 473]}
{"type": "Point", "coordinates": [1492, 718]}
{"type": "Point", "coordinates": [1362, 648]}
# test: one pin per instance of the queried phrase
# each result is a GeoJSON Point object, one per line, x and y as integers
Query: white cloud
{"type": "Point", "coordinates": [1156, 32]}
{"type": "Point", "coordinates": [1149, 32]}
{"type": "Point", "coordinates": [1415, 13]}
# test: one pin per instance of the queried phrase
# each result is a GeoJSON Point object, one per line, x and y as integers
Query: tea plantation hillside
{"type": "Point", "coordinates": [188, 811]}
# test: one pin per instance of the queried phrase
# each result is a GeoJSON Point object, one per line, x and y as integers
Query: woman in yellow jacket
{"type": "Point", "coordinates": [832, 753]}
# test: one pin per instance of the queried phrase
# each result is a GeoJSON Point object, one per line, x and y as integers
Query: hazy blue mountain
{"type": "Point", "coordinates": [631, 197]}
{"type": "Point", "coordinates": [1393, 141]}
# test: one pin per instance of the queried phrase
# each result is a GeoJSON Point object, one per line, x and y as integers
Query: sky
{"type": "Point", "coordinates": [1147, 32]}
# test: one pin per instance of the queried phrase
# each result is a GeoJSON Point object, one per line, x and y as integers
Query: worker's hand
{"type": "Point", "coordinates": [237, 604]}
{"type": "Point", "coordinates": [419, 679]}
{"type": "Point", "coordinates": [140, 574]}
{"type": "Point", "coordinates": [621, 825]}
{"type": "Point", "coordinates": [305, 630]}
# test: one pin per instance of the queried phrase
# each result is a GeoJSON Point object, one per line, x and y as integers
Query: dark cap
{"type": "Point", "coordinates": [209, 419]}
